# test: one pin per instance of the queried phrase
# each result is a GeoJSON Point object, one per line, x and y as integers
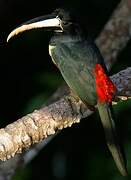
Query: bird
{"type": "Point", "coordinates": [83, 68]}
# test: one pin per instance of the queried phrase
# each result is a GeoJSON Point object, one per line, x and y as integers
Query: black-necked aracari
{"type": "Point", "coordinates": [82, 66]}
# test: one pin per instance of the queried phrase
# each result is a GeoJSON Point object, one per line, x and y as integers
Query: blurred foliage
{"type": "Point", "coordinates": [28, 78]}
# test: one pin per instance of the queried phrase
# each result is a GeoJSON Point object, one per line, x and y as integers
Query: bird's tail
{"type": "Point", "coordinates": [111, 136]}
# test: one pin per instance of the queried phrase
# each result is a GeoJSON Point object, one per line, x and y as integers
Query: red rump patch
{"type": "Point", "coordinates": [104, 86]}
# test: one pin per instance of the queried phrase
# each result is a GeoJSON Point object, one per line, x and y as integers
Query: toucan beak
{"type": "Point", "coordinates": [48, 21]}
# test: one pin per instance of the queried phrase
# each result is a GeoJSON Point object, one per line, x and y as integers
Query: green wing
{"type": "Point", "coordinates": [75, 66]}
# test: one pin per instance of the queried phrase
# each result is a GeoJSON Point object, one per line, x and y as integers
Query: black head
{"type": "Point", "coordinates": [60, 21]}
{"type": "Point", "coordinates": [63, 14]}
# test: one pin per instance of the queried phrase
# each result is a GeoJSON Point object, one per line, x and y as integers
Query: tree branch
{"type": "Point", "coordinates": [40, 124]}
{"type": "Point", "coordinates": [116, 33]}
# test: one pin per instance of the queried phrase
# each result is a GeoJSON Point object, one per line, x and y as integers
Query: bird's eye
{"type": "Point", "coordinates": [60, 16]}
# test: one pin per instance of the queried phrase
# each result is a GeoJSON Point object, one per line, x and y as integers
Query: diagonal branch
{"type": "Point", "coordinates": [116, 33]}
{"type": "Point", "coordinates": [40, 124]}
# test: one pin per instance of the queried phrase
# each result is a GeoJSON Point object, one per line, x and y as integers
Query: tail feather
{"type": "Point", "coordinates": [111, 137]}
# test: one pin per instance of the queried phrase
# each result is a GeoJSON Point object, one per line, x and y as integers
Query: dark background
{"type": "Point", "coordinates": [28, 78]}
